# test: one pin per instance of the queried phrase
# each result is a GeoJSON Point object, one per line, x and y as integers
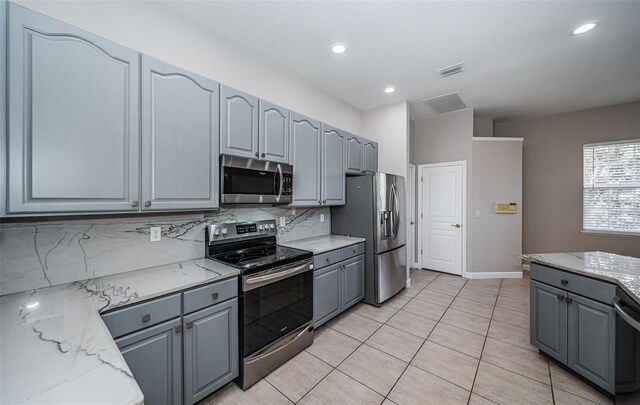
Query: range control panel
{"type": "Point", "coordinates": [228, 231]}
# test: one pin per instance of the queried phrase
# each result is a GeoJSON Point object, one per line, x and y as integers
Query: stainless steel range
{"type": "Point", "coordinates": [276, 294]}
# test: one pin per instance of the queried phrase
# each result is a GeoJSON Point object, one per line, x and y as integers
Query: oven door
{"type": "Point", "coordinates": [274, 304]}
{"type": "Point", "coordinates": [253, 181]}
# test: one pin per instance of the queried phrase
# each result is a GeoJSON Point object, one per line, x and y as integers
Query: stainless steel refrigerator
{"type": "Point", "coordinates": [375, 209]}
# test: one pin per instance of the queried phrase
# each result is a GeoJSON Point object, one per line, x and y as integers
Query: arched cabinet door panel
{"type": "Point", "coordinates": [238, 123]}
{"type": "Point", "coordinates": [73, 112]}
{"type": "Point", "coordinates": [305, 157]}
{"type": "Point", "coordinates": [334, 142]}
{"type": "Point", "coordinates": [179, 138]}
{"type": "Point", "coordinates": [370, 156]}
{"type": "Point", "coordinates": [274, 133]}
{"type": "Point", "coordinates": [355, 154]}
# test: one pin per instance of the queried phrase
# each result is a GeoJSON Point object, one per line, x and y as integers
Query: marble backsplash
{"type": "Point", "coordinates": [42, 254]}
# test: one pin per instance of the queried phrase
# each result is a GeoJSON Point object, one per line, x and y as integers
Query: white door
{"type": "Point", "coordinates": [442, 205]}
{"type": "Point", "coordinates": [411, 220]}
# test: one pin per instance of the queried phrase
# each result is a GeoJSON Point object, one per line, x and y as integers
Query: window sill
{"type": "Point", "coordinates": [609, 233]}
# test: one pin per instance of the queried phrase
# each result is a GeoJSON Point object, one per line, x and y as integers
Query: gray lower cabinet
{"type": "Point", "coordinates": [179, 138]}
{"type": "Point", "coordinates": [337, 284]}
{"type": "Point", "coordinates": [73, 106]}
{"type": "Point", "coordinates": [355, 154]}
{"type": "Point", "coordinates": [273, 143]}
{"type": "Point", "coordinates": [211, 356]}
{"type": "Point", "coordinates": [333, 181]}
{"type": "Point", "coordinates": [370, 154]}
{"type": "Point", "coordinates": [154, 356]}
{"type": "Point", "coordinates": [238, 123]}
{"type": "Point", "coordinates": [305, 157]}
{"type": "Point", "coordinates": [577, 331]}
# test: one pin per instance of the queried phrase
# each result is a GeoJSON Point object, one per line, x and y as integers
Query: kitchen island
{"type": "Point", "coordinates": [584, 315]}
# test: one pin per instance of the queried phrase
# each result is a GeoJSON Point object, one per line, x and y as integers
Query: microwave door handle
{"type": "Point", "coordinates": [279, 185]}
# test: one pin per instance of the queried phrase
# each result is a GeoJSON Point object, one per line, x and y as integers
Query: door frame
{"type": "Point", "coordinates": [411, 175]}
{"type": "Point", "coordinates": [464, 209]}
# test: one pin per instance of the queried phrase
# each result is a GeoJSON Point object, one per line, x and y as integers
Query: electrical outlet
{"type": "Point", "coordinates": [283, 221]}
{"type": "Point", "coordinates": [321, 217]}
{"type": "Point", "coordinates": [155, 234]}
{"type": "Point", "coordinates": [476, 214]}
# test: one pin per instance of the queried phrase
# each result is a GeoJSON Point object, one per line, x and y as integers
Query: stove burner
{"type": "Point", "coordinates": [234, 256]}
{"type": "Point", "coordinates": [255, 252]}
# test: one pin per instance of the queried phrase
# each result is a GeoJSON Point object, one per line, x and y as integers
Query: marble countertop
{"type": "Point", "coordinates": [325, 243]}
{"type": "Point", "coordinates": [621, 270]}
{"type": "Point", "coordinates": [54, 347]}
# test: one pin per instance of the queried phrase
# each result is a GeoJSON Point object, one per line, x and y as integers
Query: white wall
{"type": "Point", "coordinates": [497, 176]}
{"type": "Point", "coordinates": [156, 30]}
{"type": "Point", "coordinates": [389, 126]}
{"type": "Point", "coordinates": [482, 126]}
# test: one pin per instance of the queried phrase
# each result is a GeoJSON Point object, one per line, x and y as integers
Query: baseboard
{"type": "Point", "coordinates": [501, 274]}
{"type": "Point", "coordinates": [415, 266]}
{"type": "Point", "coordinates": [408, 283]}
{"type": "Point", "coordinates": [526, 267]}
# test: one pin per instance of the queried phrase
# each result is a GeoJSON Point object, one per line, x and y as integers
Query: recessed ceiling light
{"type": "Point", "coordinates": [338, 48]}
{"type": "Point", "coordinates": [585, 28]}
{"type": "Point", "coordinates": [389, 90]}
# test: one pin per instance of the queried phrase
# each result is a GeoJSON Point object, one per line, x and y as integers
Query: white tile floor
{"type": "Point", "coordinates": [445, 340]}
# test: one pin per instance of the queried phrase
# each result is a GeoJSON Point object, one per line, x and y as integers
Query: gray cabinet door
{"type": "Point", "coordinates": [154, 356]}
{"type": "Point", "coordinates": [327, 294]}
{"type": "Point", "coordinates": [73, 113]}
{"type": "Point", "coordinates": [549, 320]}
{"type": "Point", "coordinates": [592, 340]}
{"type": "Point", "coordinates": [238, 123]}
{"type": "Point", "coordinates": [179, 138]}
{"type": "Point", "coordinates": [211, 357]}
{"type": "Point", "coordinates": [370, 156]}
{"type": "Point", "coordinates": [333, 181]}
{"type": "Point", "coordinates": [355, 154]}
{"type": "Point", "coordinates": [352, 281]}
{"type": "Point", "coordinates": [274, 133]}
{"type": "Point", "coordinates": [305, 157]}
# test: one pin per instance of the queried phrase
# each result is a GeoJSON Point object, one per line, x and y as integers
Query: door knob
{"type": "Point", "coordinates": [257, 154]}
{"type": "Point", "coordinates": [456, 225]}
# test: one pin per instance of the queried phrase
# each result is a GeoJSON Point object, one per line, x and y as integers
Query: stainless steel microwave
{"type": "Point", "coordinates": [253, 181]}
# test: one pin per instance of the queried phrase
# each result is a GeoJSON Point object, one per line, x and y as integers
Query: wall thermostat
{"type": "Point", "coordinates": [506, 208]}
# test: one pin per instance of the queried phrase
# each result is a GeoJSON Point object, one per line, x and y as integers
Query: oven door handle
{"type": "Point", "coordinates": [255, 282]}
{"type": "Point", "coordinates": [624, 315]}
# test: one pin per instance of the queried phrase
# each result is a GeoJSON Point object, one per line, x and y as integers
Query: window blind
{"type": "Point", "coordinates": [611, 200]}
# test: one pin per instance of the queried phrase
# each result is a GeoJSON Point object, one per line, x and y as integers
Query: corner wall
{"type": "Point", "coordinates": [389, 126]}
{"type": "Point", "coordinates": [552, 176]}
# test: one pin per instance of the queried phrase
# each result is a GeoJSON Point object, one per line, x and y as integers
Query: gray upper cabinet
{"type": "Point", "coordinates": [549, 320]}
{"type": "Point", "coordinates": [211, 357]}
{"type": "Point", "coordinates": [154, 356]}
{"type": "Point", "coordinates": [305, 157]}
{"type": "Point", "coordinates": [355, 154]}
{"type": "Point", "coordinates": [238, 123]}
{"type": "Point", "coordinates": [73, 112]}
{"type": "Point", "coordinates": [179, 138]}
{"type": "Point", "coordinates": [333, 181]}
{"type": "Point", "coordinates": [274, 133]}
{"type": "Point", "coordinates": [370, 156]}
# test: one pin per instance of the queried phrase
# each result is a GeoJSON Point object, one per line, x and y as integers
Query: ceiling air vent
{"type": "Point", "coordinates": [451, 70]}
{"type": "Point", "coordinates": [445, 103]}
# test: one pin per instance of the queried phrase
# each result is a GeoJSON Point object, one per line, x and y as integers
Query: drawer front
{"type": "Point", "coordinates": [352, 251]}
{"type": "Point", "coordinates": [327, 259]}
{"type": "Point", "coordinates": [140, 316]}
{"type": "Point", "coordinates": [585, 286]}
{"type": "Point", "coordinates": [210, 294]}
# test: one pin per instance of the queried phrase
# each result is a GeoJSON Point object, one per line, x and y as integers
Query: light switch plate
{"type": "Point", "coordinates": [283, 221]}
{"type": "Point", "coordinates": [155, 234]}
{"type": "Point", "coordinates": [476, 214]}
{"type": "Point", "coordinates": [321, 217]}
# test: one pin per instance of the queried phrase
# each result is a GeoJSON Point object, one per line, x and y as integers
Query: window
{"type": "Point", "coordinates": [612, 187]}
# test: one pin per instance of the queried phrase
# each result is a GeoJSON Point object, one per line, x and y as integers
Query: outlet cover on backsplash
{"type": "Point", "coordinates": [42, 254]}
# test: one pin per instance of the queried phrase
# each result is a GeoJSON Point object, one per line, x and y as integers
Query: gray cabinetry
{"type": "Point", "coordinates": [352, 281]}
{"type": "Point", "coordinates": [238, 123]}
{"type": "Point", "coordinates": [333, 166]}
{"type": "Point", "coordinates": [179, 138]}
{"type": "Point", "coordinates": [338, 282]}
{"type": "Point", "coordinates": [273, 133]}
{"type": "Point", "coordinates": [73, 113]}
{"type": "Point", "coordinates": [154, 356]}
{"type": "Point", "coordinates": [370, 156]}
{"type": "Point", "coordinates": [549, 320]}
{"type": "Point", "coordinates": [326, 293]}
{"type": "Point", "coordinates": [592, 340]}
{"type": "Point", "coordinates": [355, 154]}
{"type": "Point", "coordinates": [305, 157]}
{"type": "Point", "coordinates": [211, 356]}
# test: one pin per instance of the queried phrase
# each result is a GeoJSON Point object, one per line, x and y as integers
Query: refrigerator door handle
{"type": "Point", "coordinates": [396, 211]}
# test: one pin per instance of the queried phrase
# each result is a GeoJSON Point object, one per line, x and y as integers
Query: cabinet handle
{"type": "Point", "coordinates": [147, 203]}
{"type": "Point", "coordinates": [564, 282]}
{"type": "Point", "coordinates": [327, 260]}
{"type": "Point", "coordinates": [569, 300]}
{"type": "Point", "coordinates": [189, 325]}
{"type": "Point", "coordinates": [134, 203]}
{"type": "Point", "coordinates": [561, 297]}
{"type": "Point", "coordinates": [263, 154]}
{"type": "Point", "coordinates": [354, 250]}
{"type": "Point", "coordinates": [179, 329]}
{"type": "Point", "coordinates": [214, 296]}
{"type": "Point", "coordinates": [257, 154]}
{"type": "Point", "coordinates": [146, 318]}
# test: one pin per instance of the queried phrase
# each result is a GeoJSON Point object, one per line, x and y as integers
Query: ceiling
{"type": "Point", "coordinates": [521, 59]}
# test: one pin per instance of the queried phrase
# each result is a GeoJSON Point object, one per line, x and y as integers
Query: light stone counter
{"type": "Point", "coordinates": [326, 243]}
